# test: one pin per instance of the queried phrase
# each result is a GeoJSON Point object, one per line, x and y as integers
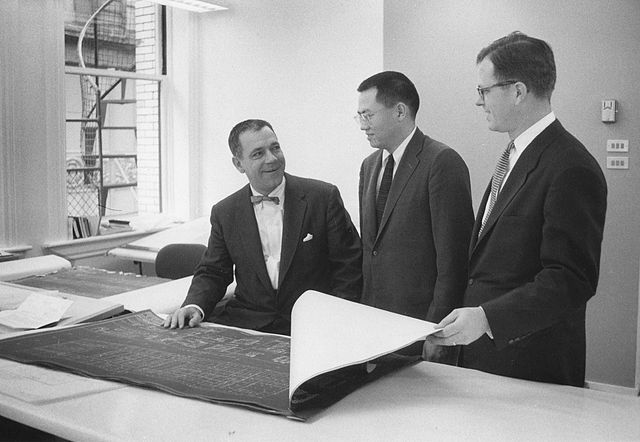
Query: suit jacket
{"type": "Point", "coordinates": [415, 263]}
{"type": "Point", "coordinates": [537, 261]}
{"type": "Point", "coordinates": [329, 262]}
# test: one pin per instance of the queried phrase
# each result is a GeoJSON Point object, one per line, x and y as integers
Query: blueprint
{"type": "Point", "coordinates": [218, 364]}
{"type": "Point", "coordinates": [335, 347]}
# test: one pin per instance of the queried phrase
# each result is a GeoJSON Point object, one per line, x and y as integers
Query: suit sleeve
{"type": "Point", "coordinates": [572, 231]}
{"type": "Point", "coordinates": [214, 273]}
{"type": "Point", "coordinates": [452, 222]}
{"type": "Point", "coordinates": [345, 250]}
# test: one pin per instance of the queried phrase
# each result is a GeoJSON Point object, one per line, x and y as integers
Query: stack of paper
{"type": "Point", "coordinates": [38, 310]}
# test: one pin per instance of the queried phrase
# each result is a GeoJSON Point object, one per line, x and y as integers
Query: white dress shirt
{"type": "Point", "coordinates": [269, 218]}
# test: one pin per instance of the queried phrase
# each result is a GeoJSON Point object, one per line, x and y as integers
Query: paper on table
{"type": "Point", "coordinates": [163, 298]}
{"type": "Point", "coordinates": [329, 333]}
{"type": "Point", "coordinates": [36, 311]}
{"type": "Point", "coordinates": [192, 232]}
{"type": "Point", "coordinates": [33, 384]}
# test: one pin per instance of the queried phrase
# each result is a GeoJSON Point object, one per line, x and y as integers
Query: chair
{"type": "Point", "coordinates": [175, 261]}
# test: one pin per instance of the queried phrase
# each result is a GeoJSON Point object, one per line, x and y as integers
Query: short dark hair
{"type": "Point", "coordinates": [520, 57]}
{"type": "Point", "coordinates": [393, 87]}
{"type": "Point", "coordinates": [244, 126]}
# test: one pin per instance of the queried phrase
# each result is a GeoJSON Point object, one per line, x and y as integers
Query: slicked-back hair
{"type": "Point", "coordinates": [393, 88]}
{"type": "Point", "coordinates": [253, 125]}
{"type": "Point", "coordinates": [520, 57]}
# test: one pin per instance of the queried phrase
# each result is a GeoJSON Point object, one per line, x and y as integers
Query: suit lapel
{"type": "Point", "coordinates": [527, 162]}
{"type": "Point", "coordinates": [478, 220]}
{"type": "Point", "coordinates": [250, 236]}
{"type": "Point", "coordinates": [369, 196]}
{"type": "Point", "coordinates": [407, 166]}
{"type": "Point", "coordinates": [295, 207]}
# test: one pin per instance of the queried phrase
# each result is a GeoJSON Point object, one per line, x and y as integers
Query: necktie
{"type": "Point", "coordinates": [257, 199]}
{"type": "Point", "coordinates": [385, 185]}
{"type": "Point", "coordinates": [496, 181]}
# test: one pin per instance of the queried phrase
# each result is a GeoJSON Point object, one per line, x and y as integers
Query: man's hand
{"type": "Point", "coordinates": [461, 327]}
{"type": "Point", "coordinates": [183, 317]}
{"type": "Point", "coordinates": [440, 353]}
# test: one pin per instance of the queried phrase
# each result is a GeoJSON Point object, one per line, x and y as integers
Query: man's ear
{"type": "Point", "coordinates": [521, 91]}
{"type": "Point", "coordinates": [401, 111]}
{"type": "Point", "coordinates": [237, 164]}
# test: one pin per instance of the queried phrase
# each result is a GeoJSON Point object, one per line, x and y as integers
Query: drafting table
{"type": "Point", "coordinates": [145, 249]}
{"type": "Point", "coordinates": [89, 281]}
{"type": "Point", "coordinates": [422, 402]}
{"type": "Point", "coordinates": [38, 265]}
{"type": "Point", "coordinates": [427, 401]}
{"type": "Point", "coordinates": [83, 309]}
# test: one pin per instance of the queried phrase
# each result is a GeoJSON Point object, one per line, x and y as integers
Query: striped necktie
{"type": "Point", "coordinates": [385, 185]}
{"type": "Point", "coordinates": [496, 181]}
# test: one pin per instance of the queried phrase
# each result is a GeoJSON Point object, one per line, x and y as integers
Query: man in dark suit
{"type": "Point", "coordinates": [415, 210]}
{"type": "Point", "coordinates": [535, 250]}
{"type": "Point", "coordinates": [282, 235]}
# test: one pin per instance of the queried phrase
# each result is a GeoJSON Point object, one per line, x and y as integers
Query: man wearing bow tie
{"type": "Point", "coordinates": [281, 235]}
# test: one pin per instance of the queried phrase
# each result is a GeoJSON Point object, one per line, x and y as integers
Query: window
{"type": "Point", "coordinates": [112, 90]}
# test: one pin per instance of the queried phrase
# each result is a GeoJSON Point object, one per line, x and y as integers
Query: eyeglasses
{"type": "Point", "coordinates": [484, 90]}
{"type": "Point", "coordinates": [364, 117]}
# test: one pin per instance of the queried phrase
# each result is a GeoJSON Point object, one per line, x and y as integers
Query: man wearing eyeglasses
{"type": "Point", "coordinates": [278, 236]}
{"type": "Point", "coordinates": [535, 246]}
{"type": "Point", "coordinates": [415, 210]}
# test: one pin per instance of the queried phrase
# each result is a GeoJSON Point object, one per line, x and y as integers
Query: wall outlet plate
{"type": "Point", "coordinates": [617, 162]}
{"type": "Point", "coordinates": [617, 145]}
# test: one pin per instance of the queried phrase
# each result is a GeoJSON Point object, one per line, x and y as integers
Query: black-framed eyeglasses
{"type": "Point", "coordinates": [484, 90]}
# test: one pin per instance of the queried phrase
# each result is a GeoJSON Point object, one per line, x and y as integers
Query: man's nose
{"type": "Point", "coordinates": [271, 157]}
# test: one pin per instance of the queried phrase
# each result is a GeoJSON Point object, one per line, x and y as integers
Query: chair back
{"type": "Point", "coordinates": [175, 261]}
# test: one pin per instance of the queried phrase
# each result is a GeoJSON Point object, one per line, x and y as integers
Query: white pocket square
{"type": "Point", "coordinates": [309, 237]}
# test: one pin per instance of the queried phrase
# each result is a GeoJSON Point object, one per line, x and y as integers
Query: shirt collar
{"type": "Point", "coordinates": [399, 152]}
{"type": "Point", "coordinates": [278, 191]}
{"type": "Point", "coordinates": [526, 137]}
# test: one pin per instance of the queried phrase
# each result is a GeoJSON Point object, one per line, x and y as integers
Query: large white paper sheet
{"type": "Point", "coordinates": [36, 311]}
{"type": "Point", "coordinates": [329, 333]}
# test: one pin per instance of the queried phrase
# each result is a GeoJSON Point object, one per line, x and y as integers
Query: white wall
{"type": "Point", "coordinates": [596, 47]}
{"type": "Point", "coordinates": [295, 64]}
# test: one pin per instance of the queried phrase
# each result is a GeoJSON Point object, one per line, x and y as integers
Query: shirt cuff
{"type": "Point", "coordinates": [488, 331]}
{"type": "Point", "coordinates": [198, 307]}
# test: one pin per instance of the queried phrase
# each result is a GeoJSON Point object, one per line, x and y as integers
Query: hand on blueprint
{"type": "Point", "coordinates": [186, 316]}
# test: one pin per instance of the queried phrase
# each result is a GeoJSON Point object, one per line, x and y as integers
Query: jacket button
{"type": "Point", "coordinates": [471, 281]}
{"type": "Point", "coordinates": [374, 253]}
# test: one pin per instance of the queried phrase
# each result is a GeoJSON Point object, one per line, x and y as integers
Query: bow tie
{"type": "Point", "coordinates": [256, 199]}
